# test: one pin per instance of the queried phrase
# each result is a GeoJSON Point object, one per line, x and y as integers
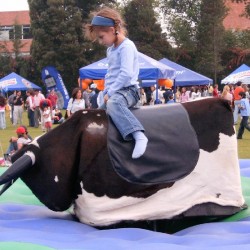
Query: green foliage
{"type": "Point", "coordinates": [57, 37]}
{"type": "Point", "coordinates": [195, 29]}
{"type": "Point", "coordinates": [236, 50]}
{"type": "Point", "coordinates": [5, 65]}
{"type": "Point", "coordinates": [181, 19]}
{"type": "Point", "coordinates": [144, 29]}
{"type": "Point", "coordinates": [210, 32]}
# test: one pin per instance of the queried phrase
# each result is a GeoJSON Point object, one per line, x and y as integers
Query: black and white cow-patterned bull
{"type": "Point", "coordinates": [84, 162]}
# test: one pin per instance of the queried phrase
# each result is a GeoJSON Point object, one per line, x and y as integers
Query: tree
{"type": "Point", "coordinates": [181, 18]}
{"type": "Point", "coordinates": [144, 29]}
{"type": "Point", "coordinates": [57, 37]}
{"type": "Point", "coordinates": [236, 50]}
{"type": "Point", "coordinates": [210, 33]}
{"type": "Point", "coordinates": [92, 51]}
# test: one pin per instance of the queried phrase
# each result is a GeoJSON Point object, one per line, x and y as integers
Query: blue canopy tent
{"type": "Point", "coordinates": [186, 77]}
{"type": "Point", "coordinates": [149, 69]}
{"type": "Point", "coordinates": [14, 81]}
{"type": "Point", "coordinates": [240, 74]}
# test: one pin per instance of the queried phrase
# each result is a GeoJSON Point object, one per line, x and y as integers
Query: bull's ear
{"type": "Point", "coordinates": [16, 170]}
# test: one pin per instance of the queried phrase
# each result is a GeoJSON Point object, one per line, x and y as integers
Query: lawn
{"type": "Point", "coordinates": [243, 145]}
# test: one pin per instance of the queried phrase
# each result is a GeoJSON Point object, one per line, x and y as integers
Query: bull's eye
{"type": "Point", "coordinates": [98, 115]}
{"type": "Point", "coordinates": [85, 112]}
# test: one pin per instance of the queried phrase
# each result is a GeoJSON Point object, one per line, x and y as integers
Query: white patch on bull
{"type": "Point", "coordinates": [92, 126]}
{"type": "Point", "coordinates": [85, 112]}
{"type": "Point", "coordinates": [215, 173]}
{"type": "Point", "coordinates": [56, 179]}
{"type": "Point", "coordinates": [32, 156]}
{"type": "Point", "coordinates": [35, 142]}
{"type": "Point", "coordinates": [98, 115]}
{"type": "Point", "coordinates": [81, 185]}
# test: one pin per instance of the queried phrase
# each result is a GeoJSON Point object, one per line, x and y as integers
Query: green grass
{"type": "Point", "coordinates": [243, 145]}
{"type": "Point", "coordinates": [10, 131]}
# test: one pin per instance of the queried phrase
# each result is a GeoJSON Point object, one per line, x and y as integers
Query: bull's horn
{"type": "Point", "coordinates": [6, 186]}
{"type": "Point", "coordinates": [17, 168]}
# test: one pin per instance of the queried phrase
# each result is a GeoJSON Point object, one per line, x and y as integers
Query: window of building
{"type": "Point", "coordinates": [26, 32]}
{"type": "Point", "coordinates": [15, 32]}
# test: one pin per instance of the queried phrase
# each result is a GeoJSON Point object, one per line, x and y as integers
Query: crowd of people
{"type": "Point", "coordinates": [43, 111]}
{"type": "Point", "coordinates": [18, 102]}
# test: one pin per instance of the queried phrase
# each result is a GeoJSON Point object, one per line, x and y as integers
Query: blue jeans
{"type": "Point", "coordinates": [12, 147]}
{"type": "Point", "coordinates": [118, 109]}
{"type": "Point", "coordinates": [243, 125]}
{"type": "Point", "coordinates": [236, 110]}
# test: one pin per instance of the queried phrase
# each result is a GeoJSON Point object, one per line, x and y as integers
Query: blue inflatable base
{"type": "Point", "coordinates": [27, 226]}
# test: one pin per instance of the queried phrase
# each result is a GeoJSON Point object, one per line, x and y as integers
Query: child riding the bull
{"type": "Point", "coordinates": [121, 87]}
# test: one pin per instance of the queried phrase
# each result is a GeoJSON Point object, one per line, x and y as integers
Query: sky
{"type": "Point", "coordinates": [12, 5]}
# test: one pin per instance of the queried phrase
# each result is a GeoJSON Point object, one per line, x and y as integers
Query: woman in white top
{"type": "Point", "coordinates": [76, 102]}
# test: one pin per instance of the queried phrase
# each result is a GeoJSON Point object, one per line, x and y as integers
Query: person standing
{"type": "Point", "coordinates": [38, 97]}
{"type": "Point", "coordinates": [86, 95]}
{"type": "Point", "coordinates": [47, 118]}
{"type": "Point", "coordinates": [31, 107]}
{"type": "Point", "coordinates": [2, 112]}
{"type": "Point", "coordinates": [52, 96]}
{"type": "Point", "coordinates": [18, 108]}
{"type": "Point", "coordinates": [210, 90]}
{"type": "Point", "coordinates": [121, 85]}
{"type": "Point", "coordinates": [216, 91]}
{"type": "Point", "coordinates": [245, 113]}
{"type": "Point", "coordinates": [237, 99]}
{"type": "Point", "coordinates": [227, 95]}
{"type": "Point", "coordinates": [11, 103]}
{"type": "Point", "coordinates": [184, 97]}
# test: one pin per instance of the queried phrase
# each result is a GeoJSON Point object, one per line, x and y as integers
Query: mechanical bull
{"type": "Point", "coordinates": [190, 167]}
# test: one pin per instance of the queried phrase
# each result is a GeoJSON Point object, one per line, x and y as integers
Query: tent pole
{"type": "Point", "coordinates": [174, 90]}
{"type": "Point", "coordinates": [157, 100]}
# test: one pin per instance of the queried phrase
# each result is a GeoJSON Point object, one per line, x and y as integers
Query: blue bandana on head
{"type": "Point", "coordinates": [102, 21]}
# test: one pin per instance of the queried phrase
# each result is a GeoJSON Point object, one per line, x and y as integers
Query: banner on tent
{"type": "Point", "coordinates": [241, 76]}
{"type": "Point", "coordinates": [8, 82]}
{"type": "Point", "coordinates": [53, 80]}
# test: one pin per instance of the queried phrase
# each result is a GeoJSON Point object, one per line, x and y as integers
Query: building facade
{"type": "Point", "coordinates": [15, 24]}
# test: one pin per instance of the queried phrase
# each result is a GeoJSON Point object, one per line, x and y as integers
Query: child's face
{"type": "Point", "coordinates": [106, 38]}
{"type": "Point", "coordinates": [45, 109]}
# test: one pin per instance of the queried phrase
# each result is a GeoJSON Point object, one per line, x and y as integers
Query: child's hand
{"type": "Point", "coordinates": [106, 97]}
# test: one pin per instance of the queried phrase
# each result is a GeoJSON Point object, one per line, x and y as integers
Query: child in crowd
{"type": "Point", "coordinates": [245, 113]}
{"type": "Point", "coordinates": [121, 86]}
{"type": "Point", "coordinates": [170, 99]}
{"type": "Point", "coordinates": [47, 118]}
